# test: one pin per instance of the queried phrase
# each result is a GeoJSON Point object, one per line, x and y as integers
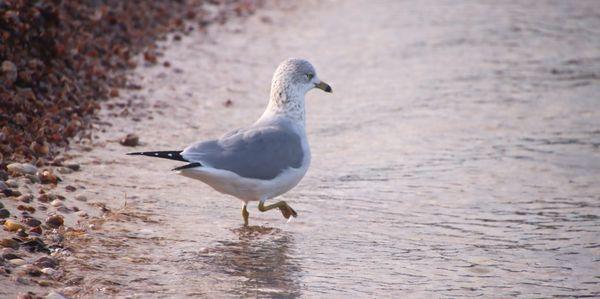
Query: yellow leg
{"type": "Point", "coordinates": [245, 214]}
{"type": "Point", "coordinates": [285, 209]}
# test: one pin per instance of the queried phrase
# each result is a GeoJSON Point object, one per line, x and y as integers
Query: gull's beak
{"type": "Point", "coordinates": [324, 86]}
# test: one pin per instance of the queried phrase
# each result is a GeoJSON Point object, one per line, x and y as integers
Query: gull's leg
{"type": "Point", "coordinates": [245, 214]}
{"type": "Point", "coordinates": [285, 209]}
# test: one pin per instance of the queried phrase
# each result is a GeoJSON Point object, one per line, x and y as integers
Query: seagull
{"type": "Point", "coordinates": [265, 159]}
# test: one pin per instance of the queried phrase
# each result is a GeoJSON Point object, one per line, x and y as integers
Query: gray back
{"type": "Point", "coordinates": [258, 152]}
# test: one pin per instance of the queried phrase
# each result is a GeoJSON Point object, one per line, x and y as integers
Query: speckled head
{"type": "Point", "coordinates": [297, 76]}
{"type": "Point", "coordinates": [292, 79]}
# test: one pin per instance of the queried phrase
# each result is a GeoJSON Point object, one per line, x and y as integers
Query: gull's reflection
{"type": "Point", "coordinates": [260, 258]}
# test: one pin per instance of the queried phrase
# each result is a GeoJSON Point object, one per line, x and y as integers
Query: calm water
{"type": "Point", "coordinates": [458, 156]}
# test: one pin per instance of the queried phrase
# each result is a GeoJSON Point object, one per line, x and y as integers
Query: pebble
{"type": "Point", "coordinates": [70, 188]}
{"type": "Point", "coordinates": [40, 148]}
{"type": "Point", "coordinates": [80, 197]}
{"type": "Point", "coordinates": [64, 170]}
{"type": "Point", "coordinates": [36, 230]}
{"type": "Point", "coordinates": [11, 192]}
{"type": "Point", "coordinates": [30, 270]}
{"type": "Point", "coordinates": [130, 140]}
{"type": "Point", "coordinates": [4, 213]}
{"type": "Point", "coordinates": [12, 226]}
{"type": "Point", "coordinates": [44, 283]}
{"type": "Point", "coordinates": [3, 185]}
{"type": "Point", "coordinates": [1, 205]}
{"type": "Point", "coordinates": [47, 177]}
{"type": "Point", "coordinates": [9, 72]}
{"type": "Point", "coordinates": [45, 262]}
{"type": "Point", "coordinates": [55, 221]}
{"type": "Point", "coordinates": [9, 243]}
{"type": "Point", "coordinates": [12, 183]}
{"type": "Point", "coordinates": [56, 203]}
{"type": "Point", "coordinates": [34, 179]}
{"type": "Point", "coordinates": [29, 209]}
{"type": "Point", "coordinates": [26, 198]}
{"type": "Point", "coordinates": [3, 175]}
{"type": "Point", "coordinates": [17, 262]}
{"type": "Point", "coordinates": [54, 295]}
{"type": "Point", "coordinates": [21, 168]}
{"type": "Point", "coordinates": [48, 271]}
{"type": "Point", "coordinates": [33, 222]}
{"type": "Point", "coordinates": [74, 167]}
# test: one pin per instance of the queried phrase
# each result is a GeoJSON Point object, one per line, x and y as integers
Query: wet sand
{"type": "Point", "coordinates": [458, 156]}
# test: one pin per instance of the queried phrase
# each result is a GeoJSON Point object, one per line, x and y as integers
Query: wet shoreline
{"type": "Point", "coordinates": [457, 157]}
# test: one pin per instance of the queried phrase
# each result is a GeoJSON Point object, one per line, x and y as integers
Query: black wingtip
{"type": "Point", "coordinates": [191, 165]}
{"type": "Point", "coordinates": [135, 153]}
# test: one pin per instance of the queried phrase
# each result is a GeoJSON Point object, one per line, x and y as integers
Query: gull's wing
{"type": "Point", "coordinates": [256, 152]}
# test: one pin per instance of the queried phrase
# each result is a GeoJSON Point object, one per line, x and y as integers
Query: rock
{"type": "Point", "coordinates": [55, 221]}
{"type": "Point", "coordinates": [35, 245]}
{"type": "Point", "coordinates": [3, 175]}
{"type": "Point", "coordinates": [56, 203]}
{"type": "Point", "coordinates": [32, 222]}
{"type": "Point", "coordinates": [70, 188]}
{"type": "Point", "coordinates": [12, 183]}
{"type": "Point", "coordinates": [54, 295]}
{"type": "Point", "coordinates": [26, 198]}
{"type": "Point", "coordinates": [34, 179]}
{"type": "Point", "coordinates": [9, 243]}
{"type": "Point", "coordinates": [44, 283]}
{"type": "Point", "coordinates": [46, 262]}
{"type": "Point", "coordinates": [48, 271]}
{"type": "Point", "coordinates": [4, 213]}
{"type": "Point", "coordinates": [9, 72]}
{"type": "Point", "coordinates": [11, 192]}
{"type": "Point", "coordinates": [3, 185]}
{"type": "Point", "coordinates": [44, 198]}
{"type": "Point", "coordinates": [30, 270]}
{"type": "Point", "coordinates": [22, 234]}
{"type": "Point", "coordinates": [64, 170]}
{"type": "Point", "coordinates": [130, 140]}
{"type": "Point", "coordinates": [47, 177]}
{"type": "Point", "coordinates": [12, 226]}
{"type": "Point", "coordinates": [17, 262]}
{"type": "Point", "coordinates": [40, 148]}
{"type": "Point", "coordinates": [1, 205]}
{"type": "Point", "coordinates": [21, 168]}
{"type": "Point", "coordinates": [74, 167]}
{"type": "Point", "coordinates": [81, 197]}
{"type": "Point", "coordinates": [36, 230]}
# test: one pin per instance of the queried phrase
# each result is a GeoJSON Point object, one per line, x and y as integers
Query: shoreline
{"type": "Point", "coordinates": [48, 216]}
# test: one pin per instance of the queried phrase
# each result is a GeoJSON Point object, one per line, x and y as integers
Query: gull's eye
{"type": "Point", "coordinates": [309, 76]}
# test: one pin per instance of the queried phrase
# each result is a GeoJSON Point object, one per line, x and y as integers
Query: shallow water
{"type": "Point", "coordinates": [459, 155]}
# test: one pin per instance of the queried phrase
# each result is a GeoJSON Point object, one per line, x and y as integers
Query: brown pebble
{"type": "Point", "coordinates": [36, 230]}
{"type": "Point", "coordinates": [40, 148]}
{"type": "Point", "coordinates": [32, 222]}
{"type": "Point", "coordinates": [9, 73]}
{"type": "Point", "coordinates": [114, 93]}
{"type": "Point", "coordinates": [45, 262]}
{"type": "Point", "coordinates": [55, 221]}
{"type": "Point", "coordinates": [44, 198]}
{"type": "Point", "coordinates": [12, 226]}
{"type": "Point", "coordinates": [70, 188]}
{"type": "Point", "coordinates": [26, 198]}
{"type": "Point", "coordinates": [130, 140]}
{"type": "Point", "coordinates": [9, 243]}
{"type": "Point", "coordinates": [29, 209]}
{"type": "Point", "coordinates": [47, 177]}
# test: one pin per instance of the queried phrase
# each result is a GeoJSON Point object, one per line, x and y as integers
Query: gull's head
{"type": "Point", "coordinates": [296, 77]}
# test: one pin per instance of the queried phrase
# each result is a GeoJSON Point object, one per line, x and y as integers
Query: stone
{"type": "Point", "coordinates": [55, 221]}
{"type": "Point", "coordinates": [21, 168]}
